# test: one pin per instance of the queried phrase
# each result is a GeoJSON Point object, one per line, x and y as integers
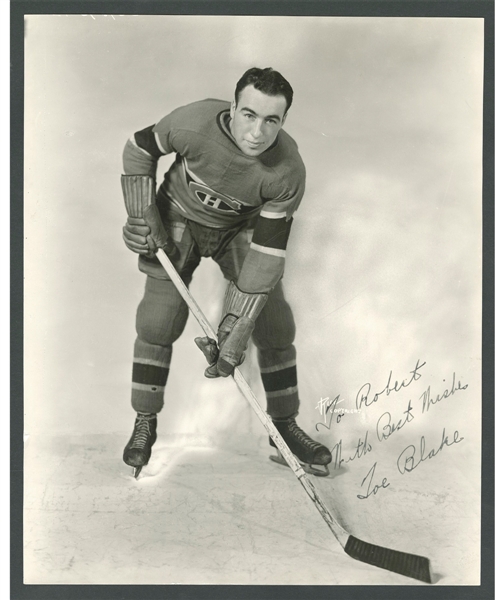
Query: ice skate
{"type": "Point", "coordinates": [138, 450]}
{"type": "Point", "coordinates": [309, 453]}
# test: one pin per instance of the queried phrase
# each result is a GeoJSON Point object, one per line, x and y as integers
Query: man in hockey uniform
{"type": "Point", "coordinates": [230, 194]}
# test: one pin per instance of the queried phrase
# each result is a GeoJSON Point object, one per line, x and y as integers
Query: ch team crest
{"type": "Point", "coordinates": [211, 198]}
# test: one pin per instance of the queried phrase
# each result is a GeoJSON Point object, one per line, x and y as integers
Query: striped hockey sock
{"type": "Point", "coordinates": [278, 368]}
{"type": "Point", "coordinates": [149, 376]}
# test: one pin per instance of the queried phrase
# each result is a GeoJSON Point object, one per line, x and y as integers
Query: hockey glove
{"type": "Point", "coordinates": [239, 314]}
{"type": "Point", "coordinates": [144, 232]}
{"type": "Point", "coordinates": [135, 236]}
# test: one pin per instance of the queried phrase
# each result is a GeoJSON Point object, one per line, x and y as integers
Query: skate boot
{"type": "Point", "coordinates": [308, 452]}
{"type": "Point", "coordinates": [138, 450]}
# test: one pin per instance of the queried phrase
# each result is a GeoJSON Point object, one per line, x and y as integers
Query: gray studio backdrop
{"type": "Point", "coordinates": [384, 260]}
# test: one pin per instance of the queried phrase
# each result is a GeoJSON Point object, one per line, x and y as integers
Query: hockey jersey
{"type": "Point", "coordinates": [212, 182]}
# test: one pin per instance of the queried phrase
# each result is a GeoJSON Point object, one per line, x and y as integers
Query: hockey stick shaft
{"type": "Point", "coordinates": [409, 565]}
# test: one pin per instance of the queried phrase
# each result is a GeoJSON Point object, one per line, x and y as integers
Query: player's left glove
{"type": "Point", "coordinates": [239, 313]}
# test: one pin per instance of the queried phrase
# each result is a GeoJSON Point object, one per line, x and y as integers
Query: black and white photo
{"type": "Point", "coordinates": [317, 183]}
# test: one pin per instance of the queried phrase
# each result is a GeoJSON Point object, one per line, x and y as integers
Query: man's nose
{"type": "Point", "coordinates": [257, 128]}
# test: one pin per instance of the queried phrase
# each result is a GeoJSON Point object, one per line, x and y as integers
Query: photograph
{"type": "Point", "coordinates": [253, 300]}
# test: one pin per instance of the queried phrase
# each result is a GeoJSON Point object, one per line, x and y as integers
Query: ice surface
{"type": "Point", "coordinates": [227, 515]}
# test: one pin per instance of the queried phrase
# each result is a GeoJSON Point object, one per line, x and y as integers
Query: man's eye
{"type": "Point", "coordinates": [271, 122]}
{"type": "Point", "coordinates": [249, 116]}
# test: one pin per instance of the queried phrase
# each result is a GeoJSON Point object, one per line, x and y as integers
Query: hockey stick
{"type": "Point", "coordinates": [409, 565]}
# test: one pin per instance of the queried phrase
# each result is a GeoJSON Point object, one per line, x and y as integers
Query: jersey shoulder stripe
{"type": "Point", "coordinates": [146, 140]}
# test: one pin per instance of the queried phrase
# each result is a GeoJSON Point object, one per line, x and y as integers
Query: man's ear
{"type": "Point", "coordinates": [284, 119]}
{"type": "Point", "coordinates": [233, 108]}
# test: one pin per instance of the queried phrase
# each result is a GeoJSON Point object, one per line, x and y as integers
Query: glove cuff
{"type": "Point", "coordinates": [138, 192]}
{"type": "Point", "coordinates": [242, 304]}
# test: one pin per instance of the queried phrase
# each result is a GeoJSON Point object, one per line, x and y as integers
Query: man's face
{"type": "Point", "coordinates": [256, 120]}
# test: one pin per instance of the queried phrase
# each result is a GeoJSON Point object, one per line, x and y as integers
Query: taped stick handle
{"type": "Point", "coordinates": [338, 531]}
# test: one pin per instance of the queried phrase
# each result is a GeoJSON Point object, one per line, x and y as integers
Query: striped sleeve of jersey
{"type": "Point", "coordinates": [271, 233]}
{"type": "Point", "coordinates": [142, 151]}
{"type": "Point", "coordinates": [149, 141]}
{"type": "Point", "coordinates": [265, 262]}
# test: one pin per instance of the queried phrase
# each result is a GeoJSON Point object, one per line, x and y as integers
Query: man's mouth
{"type": "Point", "coordinates": [253, 144]}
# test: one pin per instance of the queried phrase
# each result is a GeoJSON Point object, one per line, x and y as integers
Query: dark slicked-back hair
{"type": "Point", "coordinates": [268, 81]}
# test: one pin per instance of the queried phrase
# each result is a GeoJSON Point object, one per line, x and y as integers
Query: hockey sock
{"type": "Point", "coordinates": [149, 376]}
{"type": "Point", "coordinates": [278, 369]}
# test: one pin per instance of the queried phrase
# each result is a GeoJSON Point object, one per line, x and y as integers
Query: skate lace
{"type": "Point", "coordinates": [142, 432]}
{"type": "Point", "coordinates": [302, 436]}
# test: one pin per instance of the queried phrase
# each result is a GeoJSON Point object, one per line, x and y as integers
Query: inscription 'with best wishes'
{"type": "Point", "coordinates": [388, 425]}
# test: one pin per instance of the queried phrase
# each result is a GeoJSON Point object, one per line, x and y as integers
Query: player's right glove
{"type": "Point", "coordinates": [144, 232]}
{"type": "Point", "coordinates": [135, 236]}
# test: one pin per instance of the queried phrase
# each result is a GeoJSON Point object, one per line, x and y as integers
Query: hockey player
{"type": "Point", "coordinates": [230, 194]}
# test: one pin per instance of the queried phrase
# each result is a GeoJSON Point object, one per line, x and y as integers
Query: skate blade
{"type": "Point", "coordinates": [136, 471]}
{"type": "Point", "coordinates": [309, 469]}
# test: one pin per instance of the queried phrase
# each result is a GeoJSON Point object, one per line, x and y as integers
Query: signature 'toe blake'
{"type": "Point", "coordinates": [409, 459]}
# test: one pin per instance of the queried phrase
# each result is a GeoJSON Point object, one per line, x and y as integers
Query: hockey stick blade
{"type": "Point", "coordinates": [409, 565]}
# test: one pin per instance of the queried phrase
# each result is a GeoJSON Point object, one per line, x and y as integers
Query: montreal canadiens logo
{"type": "Point", "coordinates": [212, 199]}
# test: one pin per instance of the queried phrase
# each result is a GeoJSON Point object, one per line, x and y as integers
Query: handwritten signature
{"type": "Point", "coordinates": [363, 447]}
{"type": "Point", "coordinates": [369, 490]}
{"type": "Point", "coordinates": [428, 400]}
{"type": "Point", "coordinates": [389, 424]}
{"type": "Point", "coordinates": [386, 427]}
{"type": "Point", "coordinates": [363, 395]}
{"type": "Point", "coordinates": [410, 459]}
